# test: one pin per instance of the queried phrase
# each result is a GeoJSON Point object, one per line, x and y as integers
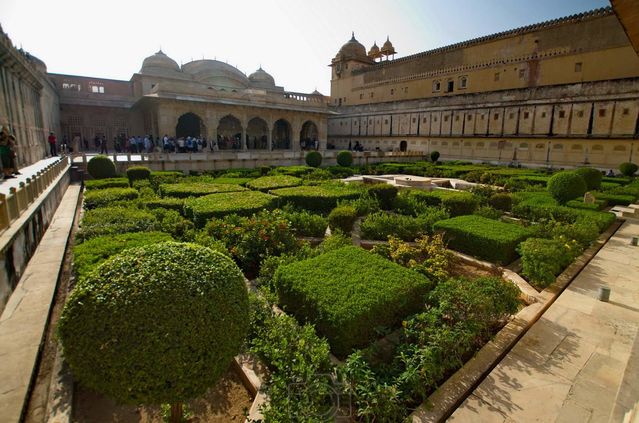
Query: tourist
{"type": "Point", "coordinates": [146, 144]}
{"type": "Point", "coordinates": [85, 142]}
{"type": "Point", "coordinates": [13, 156]}
{"type": "Point", "coordinates": [5, 154]}
{"type": "Point", "coordinates": [103, 146]}
{"type": "Point", "coordinates": [52, 144]}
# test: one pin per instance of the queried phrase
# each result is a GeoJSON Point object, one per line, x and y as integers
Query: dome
{"type": "Point", "coordinates": [160, 64]}
{"type": "Point", "coordinates": [352, 48]}
{"type": "Point", "coordinates": [374, 53]}
{"type": "Point", "coordinates": [261, 79]}
{"type": "Point", "coordinates": [216, 73]}
{"type": "Point", "coordinates": [387, 48]}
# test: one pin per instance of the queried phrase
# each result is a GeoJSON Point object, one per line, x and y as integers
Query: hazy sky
{"type": "Point", "coordinates": [293, 40]}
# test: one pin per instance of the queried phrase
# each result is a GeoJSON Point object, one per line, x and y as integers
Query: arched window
{"type": "Point", "coordinates": [539, 146]}
{"type": "Point", "coordinates": [523, 146]}
{"type": "Point", "coordinates": [558, 147]}
{"type": "Point", "coordinates": [597, 147]}
{"type": "Point", "coordinates": [619, 148]}
{"type": "Point", "coordinates": [576, 147]}
{"type": "Point", "coordinates": [437, 85]}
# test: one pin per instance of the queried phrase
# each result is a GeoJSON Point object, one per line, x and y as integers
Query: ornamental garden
{"type": "Point", "coordinates": [374, 292]}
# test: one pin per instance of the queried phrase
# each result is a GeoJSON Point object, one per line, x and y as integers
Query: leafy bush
{"type": "Point", "coordinates": [106, 197]}
{"type": "Point", "coordinates": [267, 183]}
{"type": "Point", "coordinates": [379, 226]}
{"type": "Point", "coordinates": [201, 209]}
{"type": "Point", "coordinates": [434, 156]}
{"type": "Point", "coordinates": [543, 259]}
{"type": "Point", "coordinates": [363, 205]}
{"type": "Point", "coordinates": [170, 203]}
{"type": "Point", "coordinates": [196, 189]}
{"type": "Point", "coordinates": [344, 158]}
{"type": "Point", "coordinates": [591, 176]}
{"type": "Point", "coordinates": [305, 223]}
{"type": "Point", "coordinates": [155, 324]}
{"type": "Point", "coordinates": [173, 223]}
{"type": "Point", "coordinates": [409, 204]}
{"type": "Point", "coordinates": [158, 178]}
{"type": "Point", "coordinates": [460, 204]}
{"type": "Point", "coordinates": [137, 173]}
{"type": "Point", "coordinates": [342, 218]}
{"type": "Point", "coordinates": [101, 167]}
{"type": "Point", "coordinates": [348, 293]}
{"type": "Point", "coordinates": [540, 212]}
{"type": "Point", "coordinates": [292, 170]}
{"type": "Point", "coordinates": [501, 201]}
{"type": "Point", "coordinates": [484, 238]}
{"type": "Point", "coordinates": [628, 169]}
{"type": "Point", "coordinates": [384, 193]}
{"type": "Point", "coordinates": [313, 158]}
{"type": "Point", "coordinates": [565, 186]}
{"type": "Point", "coordinates": [615, 199]}
{"type": "Point", "coordinates": [252, 239]}
{"type": "Point", "coordinates": [115, 220]}
{"type": "Point", "coordinates": [488, 212]}
{"type": "Point", "coordinates": [321, 198]}
{"type": "Point", "coordinates": [341, 172]}
{"type": "Point", "coordinates": [94, 184]}
{"type": "Point", "coordinates": [89, 254]}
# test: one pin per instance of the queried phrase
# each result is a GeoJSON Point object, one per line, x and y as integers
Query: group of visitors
{"type": "Point", "coordinates": [8, 154]}
{"type": "Point", "coordinates": [309, 144]}
{"type": "Point", "coordinates": [356, 147]}
{"type": "Point", "coordinates": [184, 145]}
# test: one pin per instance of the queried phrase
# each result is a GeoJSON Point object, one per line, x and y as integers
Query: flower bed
{"type": "Point", "coordinates": [201, 209]}
{"type": "Point", "coordinates": [321, 198]}
{"type": "Point", "coordinates": [348, 293]}
{"type": "Point", "coordinates": [196, 189]}
{"type": "Point", "coordinates": [267, 183]}
{"type": "Point", "coordinates": [484, 238]}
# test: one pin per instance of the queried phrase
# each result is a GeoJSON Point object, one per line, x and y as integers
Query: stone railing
{"type": "Point", "coordinates": [18, 200]}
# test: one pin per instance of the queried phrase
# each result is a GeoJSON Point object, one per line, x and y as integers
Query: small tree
{"type": "Point", "coordinates": [565, 186]}
{"type": "Point", "coordinates": [434, 156]}
{"type": "Point", "coordinates": [591, 176]}
{"type": "Point", "coordinates": [344, 158]}
{"type": "Point", "coordinates": [628, 169]}
{"type": "Point", "coordinates": [313, 159]}
{"type": "Point", "coordinates": [101, 167]}
{"type": "Point", "coordinates": [156, 324]}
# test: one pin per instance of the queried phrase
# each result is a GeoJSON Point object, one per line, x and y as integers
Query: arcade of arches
{"type": "Point", "coordinates": [255, 133]}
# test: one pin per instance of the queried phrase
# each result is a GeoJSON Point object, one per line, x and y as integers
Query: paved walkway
{"type": "Point", "coordinates": [574, 364]}
{"type": "Point", "coordinates": [27, 172]}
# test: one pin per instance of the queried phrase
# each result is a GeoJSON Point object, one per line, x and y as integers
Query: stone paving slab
{"type": "Point", "coordinates": [24, 320]}
{"type": "Point", "coordinates": [570, 365]}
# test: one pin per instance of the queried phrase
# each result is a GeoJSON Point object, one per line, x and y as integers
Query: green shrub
{"type": "Point", "coordinates": [565, 186]}
{"type": "Point", "coordinates": [384, 193]}
{"type": "Point", "coordinates": [106, 197]}
{"type": "Point", "coordinates": [409, 204]}
{"type": "Point", "coordinates": [540, 212]}
{"type": "Point", "coordinates": [305, 223]}
{"type": "Point", "coordinates": [543, 259]}
{"type": "Point", "coordinates": [460, 204]}
{"type": "Point", "coordinates": [232, 181]}
{"type": "Point", "coordinates": [501, 201]}
{"type": "Point", "coordinates": [88, 255]}
{"type": "Point", "coordinates": [379, 226]}
{"type": "Point", "coordinates": [115, 220]}
{"type": "Point", "coordinates": [170, 203]}
{"type": "Point", "coordinates": [155, 324]}
{"type": "Point", "coordinates": [201, 209]}
{"type": "Point", "coordinates": [484, 238]}
{"type": "Point", "coordinates": [267, 183]}
{"type": "Point", "coordinates": [317, 175]}
{"type": "Point", "coordinates": [173, 223]}
{"type": "Point", "coordinates": [348, 293]}
{"type": "Point", "coordinates": [196, 189]}
{"type": "Point", "coordinates": [292, 170]}
{"type": "Point", "coordinates": [363, 205]}
{"type": "Point", "coordinates": [320, 198]}
{"type": "Point", "coordinates": [101, 167]}
{"type": "Point", "coordinates": [138, 173]}
{"type": "Point", "coordinates": [344, 158]}
{"type": "Point", "coordinates": [313, 158]}
{"type": "Point", "coordinates": [488, 212]}
{"type": "Point", "coordinates": [342, 218]}
{"type": "Point", "coordinates": [94, 184]}
{"type": "Point", "coordinates": [158, 178]}
{"type": "Point", "coordinates": [628, 169]}
{"type": "Point", "coordinates": [591, 176]}
{"type": "Point", "coordinates": [341, 172]}
{"type": "Point", "coordinates": [434, 156]}
{"type": "Point", "coordinates": [615, 199]}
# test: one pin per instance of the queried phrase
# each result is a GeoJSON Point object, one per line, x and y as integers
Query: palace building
{"type": "Point", "coordinates": [561, 92]}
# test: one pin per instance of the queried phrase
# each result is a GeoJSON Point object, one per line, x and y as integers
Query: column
{"type": "Point", "coordinates": [296, 128]}
{"type": "Point", "coordinates": [269, 138]}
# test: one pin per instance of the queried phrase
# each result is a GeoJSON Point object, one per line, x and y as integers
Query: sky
{"type": "Point", "coordinates": [293, 40]}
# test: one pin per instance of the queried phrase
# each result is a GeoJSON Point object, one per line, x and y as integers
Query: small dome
{"type": "Point", "coordinates": [216, 73]}
{"type": "Point", "coordinates": [387, 48]}
{"type": "Point", "coordinates": [374, 53]}
{"type": "Point", "coordinates": [261, 79]}
{"type": "Point", "coordinates": [352, 48]}
{"type": "Point", "coordinates": [159, 64]}
{"type": "Point", "coordinates": [317, 93]}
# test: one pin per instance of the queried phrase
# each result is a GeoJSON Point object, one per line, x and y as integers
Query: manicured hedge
{"type": "Point", "coordinates": [344, 158]}
{"type": "Point", "coordinates": [196, 189]}
{"type": "Point", "coordinates": [342, 218]}
{"type": "Point", "coordinates": [537, 212]}
{"type": "Point", "coordinates": [379, 226]}
{"type": "Point", "coordinates": [267, 183]}
{"type": "Point", "coordinates": [292, 170]}
{"type": "Point", "coordinates": [321, 198]}
{"type": "Point", "coordinates": [170, 203]}
{"type": "Point", "coordinates": [115, 220]}
{"type": "Point", "coordinates": [305, 223]}
{"type": "Point", "coordinates": [164, 177]}
{"type": "Point", "coordinates": [484, 238]}
{"type": "Point", "coordinates": [101, 167]}
{"type": "Point", "coordinates": [349, 294]}
{"type": "Point", "coordinates": [234, 181]}
{"type": "Point", "coordinates": [89, 254]}
{"type": "Point", "coordinates": [201, 209]}
{"type": "Point", "coordinates": [107, 196]}
{"type": "Point", "coordinates": [95, 184]}
{"type": "Point", "coordinates": [615, 199]}
{"type": "Point", "coordinates": [457, 203]}
{"type": "Point", "coordinates": [137, 173]}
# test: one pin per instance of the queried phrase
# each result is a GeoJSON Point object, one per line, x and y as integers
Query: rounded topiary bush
{"type": "Point", "coordinates": [565, 186]}
{"type": "Point", "coordinates": [591, 176]}
{"type": "Point", "coordinates": [313, 158]}
{"type": "Point", "coordinates": [434, 156]}
{"type": "Point", "coordinates": [155, 324]}
{"type": "Point", "coordinates": [628, 169]}
{"type": "Point", "coordinates": [345, 158]}
{"type": "Point", "coordinates": [101, 167]}
{"type": "Point", "coordinates": [501, 201]}
{"type": "Point", "coordinates": [384, 193]}
{"type": "Point", "coordinates": [138, 173]}
{"type": "Point", "coordinates": [342, 218]}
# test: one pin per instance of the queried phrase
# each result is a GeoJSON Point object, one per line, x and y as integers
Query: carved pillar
{"type": "Point", "coordinates": [322, 133]}
{"type": "Point", "coordinates": [296, 128]}
{"type": "Point", "coordinates": [269, 137]}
